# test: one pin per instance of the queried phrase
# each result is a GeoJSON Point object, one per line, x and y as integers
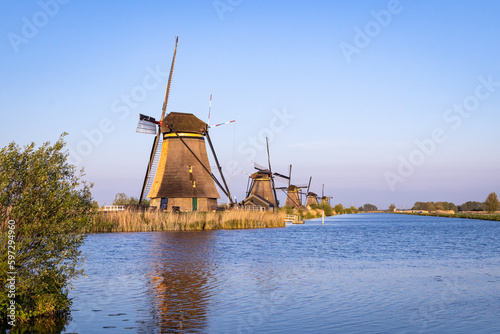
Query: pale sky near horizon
{"type": "Point", "coordinates": [381, 101]}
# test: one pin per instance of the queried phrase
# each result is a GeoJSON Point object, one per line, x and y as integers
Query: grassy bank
{"type": "Point", "coordinates": [133, 221]}
{"type": "Point", "coordinates": [480, 216]}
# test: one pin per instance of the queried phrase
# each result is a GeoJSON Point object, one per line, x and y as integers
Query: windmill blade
{"type": "Point", "coordinates": [152, 165]}
{"type": "Point", "coordinates": [271, 171]}
{"type": "Point", "coordinates": [209, 109]}
{"type": "Point", "coordinates": [280, 178]}
{"type": "Point", "coordinates": [169, 81]}
{"type": "Point", "coordinates": [290, 175]}
{"type": "Point", "coordinates": [213, 126]}
{"type": "Point", "coordinates": [146, 125]}
{"type": "Point", "coordinates": [268, 155]}
{"type": "Point", "coordinates": [309, 185]}
{"type": "Point", "coordinates": [259, 167]}
{"type": "Point", "coordinates": [302, 186]}
{"type": "Point", "coordinates": [158, 136]}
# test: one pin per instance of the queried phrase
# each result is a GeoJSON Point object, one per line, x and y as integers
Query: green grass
{"type": "Point", "coordinates": [480, 216]}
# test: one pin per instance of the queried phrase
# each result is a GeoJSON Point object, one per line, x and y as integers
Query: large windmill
{"type": "Point", "coordinates": [261, 190]}
{"type": "Point", "coordinates": [178, 176]}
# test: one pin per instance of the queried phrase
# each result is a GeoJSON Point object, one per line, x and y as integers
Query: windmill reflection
{"type": "Point", "coordinates": [181, 280]}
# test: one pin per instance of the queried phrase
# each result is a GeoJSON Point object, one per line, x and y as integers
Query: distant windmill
{"type": "Point", "coordinates": [294, 193]}
{"type": "Point", "coordinates": [178, 176]}
{"type": "Point", "coordinates": [312, 198]}
{"type": "Point", "coordinates": [261, 190]}
{"type": "Point", "coordinates": [324, 199]}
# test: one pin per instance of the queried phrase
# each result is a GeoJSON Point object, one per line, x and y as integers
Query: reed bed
{"type": "Point", "coordinates": [147, 221]}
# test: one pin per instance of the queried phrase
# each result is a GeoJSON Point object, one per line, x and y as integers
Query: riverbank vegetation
{"type": "Point", "coordinates": [45, 207]}
{"type": "Point", "coordinates": [491, 204]}
{"type": "Point", "coordinates": [487, 210]}
{"type": "Point", "coordinates": [480, 216]}
{"type": "Point", "coordinates": [155, 220]}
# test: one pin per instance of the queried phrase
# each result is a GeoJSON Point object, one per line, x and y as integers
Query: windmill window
{"type": "Point", "coordinates": [190, 168]}
{"type": "Point", "coordinates": [194, 184]}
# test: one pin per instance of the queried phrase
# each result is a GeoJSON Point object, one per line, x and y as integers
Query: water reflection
{"type": "Point", "coordinates": [179, 275]}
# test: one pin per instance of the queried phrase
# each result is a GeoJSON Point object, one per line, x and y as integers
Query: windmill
{"type": "Point", "coordinates": [261, 190]}
{"type": "Point", "coordinates": [294, 193]}
{"type": "Point", "coordinates": [178, 176]}
{"type": "Point", "coordinates": [324, 199]}
{"type": "Point", "coordinates": [311, 198]}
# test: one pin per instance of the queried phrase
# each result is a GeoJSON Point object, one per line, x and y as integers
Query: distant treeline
{"type": "Point", "coordinates": [488, 205]}
{"type": "Point", "coordinates": [368, 207]}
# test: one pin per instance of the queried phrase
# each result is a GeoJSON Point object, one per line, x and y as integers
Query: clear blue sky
{"type": "Point", "coordinates": [363, 80]}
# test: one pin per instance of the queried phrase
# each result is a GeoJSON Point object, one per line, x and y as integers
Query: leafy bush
{"type": "Point", "coordinates": [327, 208]}
{"type": "Point", "coordinates": [309, 215]}
{"type": "Point", "coordinates": [339, 209]}
{"type": "Point", "coordinates": [50, 207]}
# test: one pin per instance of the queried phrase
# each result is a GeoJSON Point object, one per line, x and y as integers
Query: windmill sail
{"type": "Point", "coordinates": [147, 124]}
{"type": "Point", "coordinates": [259, 167]}
{"type": "Point", "coordinates": [280, 178]}
{"type": "Point", "coordinates": [154, 166]}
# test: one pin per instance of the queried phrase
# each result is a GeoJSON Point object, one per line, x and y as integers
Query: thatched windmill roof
{"type": "Point", "coordinates": [183, 122]}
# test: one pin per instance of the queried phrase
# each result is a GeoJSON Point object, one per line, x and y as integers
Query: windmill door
{"type": "Point", "coordinates": [195, 204]}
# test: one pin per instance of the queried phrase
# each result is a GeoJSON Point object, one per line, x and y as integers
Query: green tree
{"type": "Point", "coordinates": [123, 199]}
{"type": "Point", "coordinates": [353, 209]}
{"type": "Point", "coordinates": [51, 207]}
{"type": "Point", "coordinates": [120, 199]}
{"type": "Point", "coordinates": [339, 209]}
{"type": "Point", "coordinates": [491, 203]}
{"type": "Point", "coordinates": [369, 207]}
{"type": "Point", "coordinates": [471, 206]}
{"type": "Point", "coordinates": [327, 208]}
{"type": "Point", "coordinates": [452, 206]}
{"type": "Point", "coordinates": [430, 206]}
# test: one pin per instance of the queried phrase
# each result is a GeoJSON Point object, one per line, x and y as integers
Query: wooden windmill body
{"type": "Point", "coordinates": [261, 191]}
{"type": "Point", "coordinates": [181, 180]}
{"type": "Point", "coordinates": [312, 198]}
{"type": "Point", "coordinates": [293, 197]}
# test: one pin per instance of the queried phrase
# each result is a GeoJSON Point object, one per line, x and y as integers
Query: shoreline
{"type": "Point", "coordinates": [476, 216]}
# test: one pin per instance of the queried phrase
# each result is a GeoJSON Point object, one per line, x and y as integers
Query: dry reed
{"type": "Point", "coordinates": [135, 221]}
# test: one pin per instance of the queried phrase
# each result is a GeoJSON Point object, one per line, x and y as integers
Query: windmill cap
{"type": "Point", "coordinates": [260, 174]}
{"type": "Point", "coordinates": [312, 194]}
{"type": "Point", "coordinates": [293, 188]}
{"type": "Point", "coordinates": [183, 122]}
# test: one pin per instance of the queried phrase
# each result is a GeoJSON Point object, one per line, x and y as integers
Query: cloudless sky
{"type": "Point", "coordinates": [66, 67]}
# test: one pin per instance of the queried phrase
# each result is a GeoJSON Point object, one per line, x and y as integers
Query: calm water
{"type": "Point", "coordinates": [364, 273]}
